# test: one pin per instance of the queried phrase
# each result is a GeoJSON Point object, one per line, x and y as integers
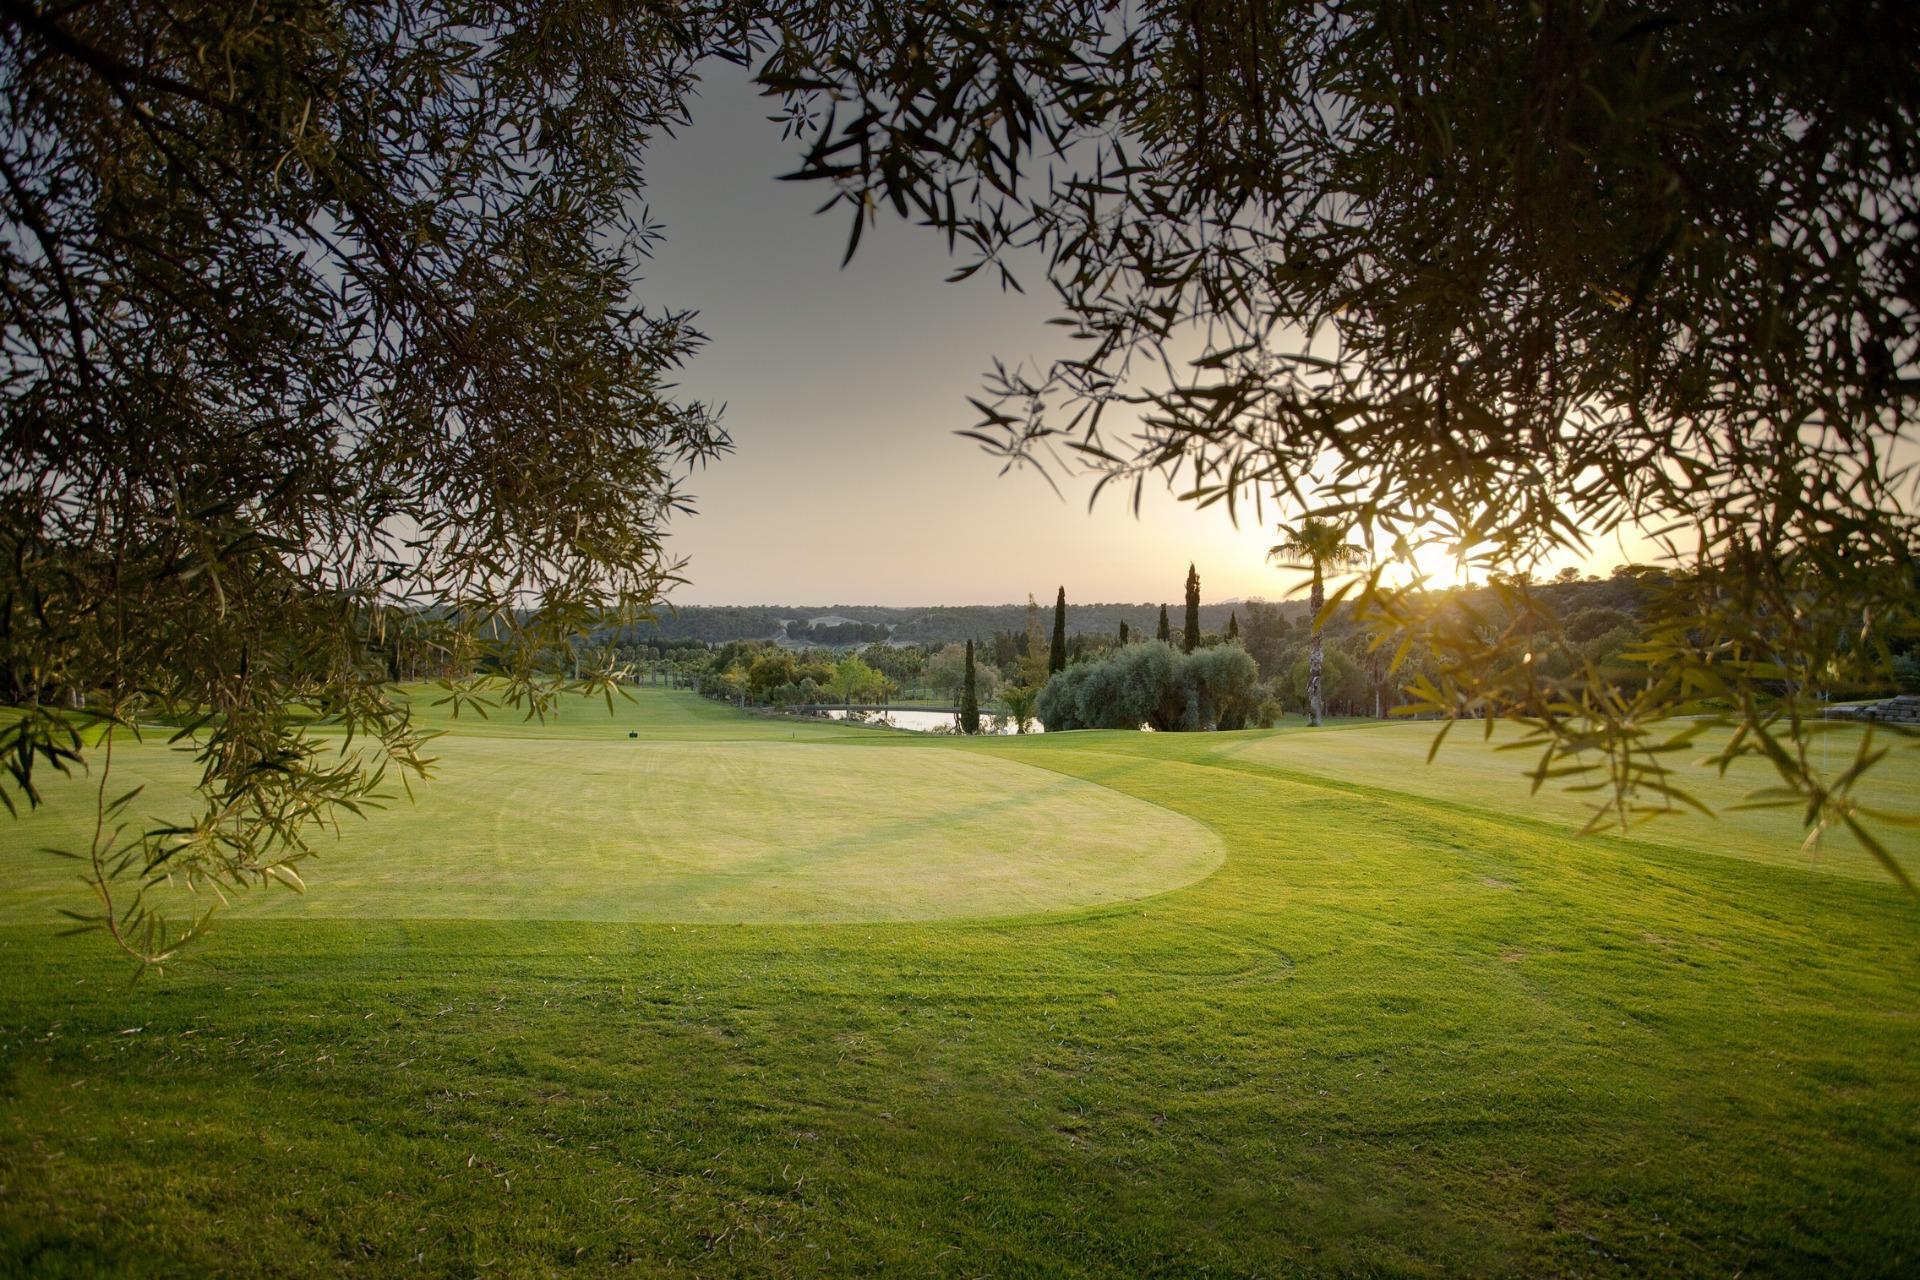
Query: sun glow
{"type": "Point", "coordinates": [1430, 561]}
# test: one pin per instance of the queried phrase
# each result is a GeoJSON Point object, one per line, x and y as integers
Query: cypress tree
{"type": "Point", "coordinates": [1233, 626]}
{"type": "Point", "coordinates": [1123, 635]}
{"type": "Point", "coordinates": [1165, 634]}
{"type": "Point", "coordinates": [1191, 636]}
{"type": "Point", "coordinates": [969, 700]}
{"type": "Point", "coordinates": [1033, 666]}
{"type": "Point", "coordinates": [1057, 656]}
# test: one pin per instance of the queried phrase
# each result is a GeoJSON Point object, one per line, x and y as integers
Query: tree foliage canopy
{"type": "Point", "coordinates": [1316, 544]}
{"type": "Point", "coordinates": [318, 346]}
{"type": "Point", "coordinates": [1507, 278]}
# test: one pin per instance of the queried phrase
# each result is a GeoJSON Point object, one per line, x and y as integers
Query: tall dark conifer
{"type": "Point", "coordinates": [1123, 635]}
{"type": "Point", "coordinates": [1165, 633]}
{"type": "Point", "coordinates": [1233, 626]}
{"type": "Point", "coordinates": [1191, 636]}
{"type": "Point", "coordinates": [969, 699]}
{"type": "Point", "coordinates": [1057, 656]}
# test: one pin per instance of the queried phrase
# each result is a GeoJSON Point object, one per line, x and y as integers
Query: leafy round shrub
{"type": "Point", "coordinates": [1152, 685]}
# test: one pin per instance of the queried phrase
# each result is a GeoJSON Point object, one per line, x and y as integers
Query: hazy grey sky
{"type": "Point", "coordinates": [843, 391]}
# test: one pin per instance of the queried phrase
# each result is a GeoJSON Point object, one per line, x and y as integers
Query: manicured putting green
{"type": "Point", "coordinates": [774, 830]}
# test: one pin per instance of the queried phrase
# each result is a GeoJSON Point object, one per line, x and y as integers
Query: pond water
{"type": "Point", "coordinates": [929, 721]}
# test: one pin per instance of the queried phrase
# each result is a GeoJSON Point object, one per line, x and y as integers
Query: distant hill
{"type": "Point", "coordinates": [845, 624]}
{"type": "Point", "coordinates": [851, 625]}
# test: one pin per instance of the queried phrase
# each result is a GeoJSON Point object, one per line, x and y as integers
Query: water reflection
{"type": "Point", "coordinates": [928, 721]}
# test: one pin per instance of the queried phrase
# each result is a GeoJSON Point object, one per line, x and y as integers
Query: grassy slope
{"type": "Point", "coordinates": [1390, 1034]}
{"type": "Point", "coordinates": [1470, 773]}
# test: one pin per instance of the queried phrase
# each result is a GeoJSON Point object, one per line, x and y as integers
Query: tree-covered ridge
{"type": "Point", "coordinates": [918, 624]}
{"type": "Point", "coordinates": [835, 634]}
{"type": "Point", "coordinates": [954, 624]}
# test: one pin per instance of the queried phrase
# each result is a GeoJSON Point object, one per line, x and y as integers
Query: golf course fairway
{"type": "Point", "coordinates": [746, 996]}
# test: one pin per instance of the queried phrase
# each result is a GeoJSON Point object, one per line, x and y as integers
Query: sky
{"type": "Point", "coordinates": [843, 390]}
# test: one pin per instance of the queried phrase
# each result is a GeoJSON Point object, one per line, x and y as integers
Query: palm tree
{"type": "Point", "coordinates": [1018, 699]}
{"type": "Point", "coordinates": [1319, 545]}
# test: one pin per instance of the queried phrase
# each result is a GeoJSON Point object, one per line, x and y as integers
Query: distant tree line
{"type": "Point", "coordinates": [1600, 622]}
{"type": "Point", "coordinates": [1110, 684]}
{"type": "Point", "coordinates": [837, 634]}
{"type": "Point", "coordinates": [931, 626]}
{"type": "Point", "coordinates": [763, 673]}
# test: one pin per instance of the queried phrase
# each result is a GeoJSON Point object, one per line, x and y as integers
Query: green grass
{"type": "Point", "coordinates": [1408, 1026]}
{"type": "Point", "coordinates": [710, 816]}
{"type": "Point", "coordinates": [1470, 772]}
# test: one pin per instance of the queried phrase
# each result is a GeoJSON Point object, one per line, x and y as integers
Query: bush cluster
{"type": "Point", "coordinates": [1153, 685]}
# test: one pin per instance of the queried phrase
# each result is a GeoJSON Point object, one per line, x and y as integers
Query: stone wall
{"type": "Point", "coordinates": [1904, 709]}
